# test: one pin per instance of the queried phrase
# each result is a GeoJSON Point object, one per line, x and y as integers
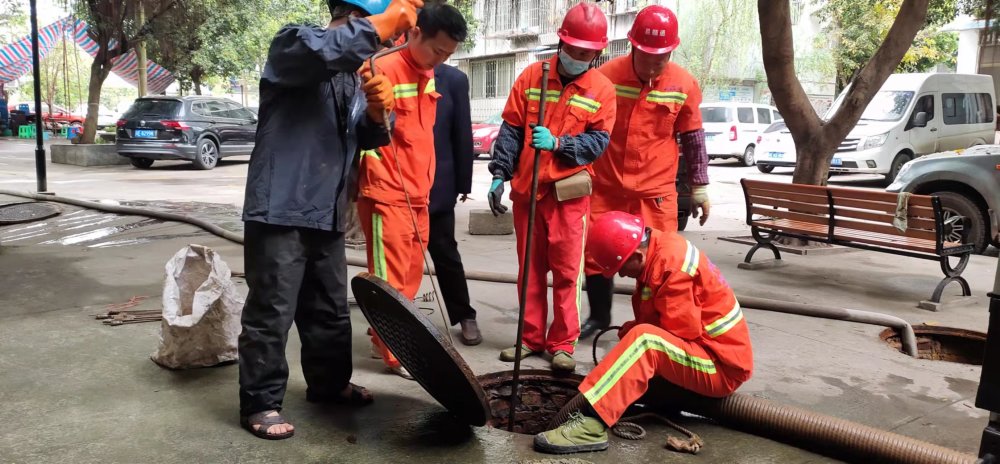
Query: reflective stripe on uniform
{"type": "Point", "coordinates": [639, 347]}
{"type": "Point", "coordinates": [431, 86]}
{"type": "Point", "coordinates": [585, 103]}
{"type": "Point", "coordinates": [580, 277]}
{"type": "Point", "coordinates": [625, 91]}
{"type": "Point", "coordinates": [534, 94]}
{"type": "Point", "coordinates": [371, 154]}
{"type": "Point", "coordinates": [378, 250]}
{"type": "Point", "coordinates": [724, 323]}
{"type": "Point", "coordinates": [691, 259]}
{"type": "Point", "coordinates": [656, 96]}
{"type": "Point", "coordinates": [405, 90]}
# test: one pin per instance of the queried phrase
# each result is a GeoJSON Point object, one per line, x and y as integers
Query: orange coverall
{"type": "Point", "coordinates": [585, 104]}
{"type": "Point", "coordinates": [394, 252]}
{"type": "Point", "coordinates": [637, 174]}
{"type": "Point", "coordinates": [688, 329]}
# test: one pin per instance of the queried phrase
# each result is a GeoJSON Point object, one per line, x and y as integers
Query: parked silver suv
{"type": "Point", "coordinates": [968, 184]}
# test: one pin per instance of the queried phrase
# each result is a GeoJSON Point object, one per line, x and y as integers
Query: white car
{"type": "Point", "coordinates": [731, 129]}
{"type": "Point", "coordinates": [775, 148]}
{"type": "Point", "coordinates": [105, 117]}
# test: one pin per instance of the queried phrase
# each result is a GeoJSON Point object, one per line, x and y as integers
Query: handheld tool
{"type": "Point", "coordinates": [526, 265]}
{"type": "Point", "coordinates": [406, 193]}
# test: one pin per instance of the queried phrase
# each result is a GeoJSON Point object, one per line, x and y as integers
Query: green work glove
{"type": "Point", "coordinates": [495, 196]}
{"type": "Point", "coordinates": [542, 139]}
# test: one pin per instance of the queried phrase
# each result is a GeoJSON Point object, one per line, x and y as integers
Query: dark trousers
{"type": "Point", "coordinates": [295, 275]}
{"type": "Point", "coordinates": [448, 265]}
{"type": "Point", "coordinates": [600, 293]}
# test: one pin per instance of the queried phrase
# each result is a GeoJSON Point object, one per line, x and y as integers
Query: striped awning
{"type": "Point", "coordinates": [15, 59]}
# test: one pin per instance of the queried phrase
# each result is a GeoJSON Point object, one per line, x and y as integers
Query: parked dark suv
{"type": "Point", "coordinates": [197, 129]}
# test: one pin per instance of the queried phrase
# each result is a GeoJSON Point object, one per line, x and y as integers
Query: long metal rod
{"type": "Point", "coordinates": [39, 141]}
{"type": "Point", "coordinates": [526, 262]}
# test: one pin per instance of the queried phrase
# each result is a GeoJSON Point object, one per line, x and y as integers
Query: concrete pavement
{"type": "Point", "coordinates": [77, 391]}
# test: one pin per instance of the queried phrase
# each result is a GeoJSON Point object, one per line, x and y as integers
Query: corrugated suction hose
{"type": "Point", "coordinates": [819, 433]}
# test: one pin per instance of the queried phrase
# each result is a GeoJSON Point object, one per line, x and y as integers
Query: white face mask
{"type": "Point", "coordinates": [572, 66]}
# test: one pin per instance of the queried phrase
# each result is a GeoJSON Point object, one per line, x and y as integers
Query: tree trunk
{"type": "Point", "coordinates": [816, 141]}
{"type": "Point", "coordinates": [98, 74]}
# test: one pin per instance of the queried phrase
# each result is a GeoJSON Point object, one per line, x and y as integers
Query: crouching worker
{"type": "Point", "coordinates": [688, 329]}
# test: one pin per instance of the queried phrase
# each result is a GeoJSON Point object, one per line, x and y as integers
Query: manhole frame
{"type": "Point", "coordinates": [930, 330]}
{"type": "Point", "coordinates": [54, 208]}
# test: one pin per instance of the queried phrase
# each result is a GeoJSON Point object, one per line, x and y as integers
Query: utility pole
{"type": "Point", "coordinates": [39, 127]}
{"type": "Point", "coordinates": [140, 51]}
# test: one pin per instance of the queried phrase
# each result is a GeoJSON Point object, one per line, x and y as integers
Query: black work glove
{"type": "Point", "coordinates": [496, 195]}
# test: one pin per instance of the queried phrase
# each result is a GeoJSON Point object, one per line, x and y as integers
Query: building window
{"type": "Point", "coordinates": [515, 17]}
{"type": "Point", "coordinates": [615, 49]}
{"type": "Point", "coordinates": [491, 78]}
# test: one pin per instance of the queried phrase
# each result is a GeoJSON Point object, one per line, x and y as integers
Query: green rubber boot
{"type": "Point", "coordinates": [580, 434]}
{"type": "Point", "coordinates": [509, 354]}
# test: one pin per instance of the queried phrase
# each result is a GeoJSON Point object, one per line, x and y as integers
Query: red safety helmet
{"type": "Point", "coordinates": [585, 26]}
{"type": "Point", "coordinates": [655, 30]}
{"type": "Point", "coordinates": [613, 238]}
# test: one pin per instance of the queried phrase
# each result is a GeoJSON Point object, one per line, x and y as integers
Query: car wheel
{"type": "Point", "coordinates": [748, 159]}
{"type": "Point", "coordinates": [207, 156]}
{"type": "Point", "coordinates": [766, 169]}
{"type": "Point", "coordinates": [963, 220]}
{"type": "Point", "coordinates": [682, 219]}
{"type": "Point", "coordinates": [76, 124]}
{"type": "Point", "coordinates": [141, 163]}
{"type": "Point", "coordinates": [897, 165]}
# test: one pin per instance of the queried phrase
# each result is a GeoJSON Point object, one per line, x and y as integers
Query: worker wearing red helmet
{"type": "Point", "coordinates": [688, 329]}
{"type": "Point", "coordinates": [579, 117]}
{"type": "Point", "coordinates": [657, 103]}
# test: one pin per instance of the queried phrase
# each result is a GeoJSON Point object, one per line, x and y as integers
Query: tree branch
{"type": "Point", "coordinates": [779, 65]}
{"type": "Point", "coordinates": [147, 27]}
{"type": "Point", "coordinates": [908, 22]}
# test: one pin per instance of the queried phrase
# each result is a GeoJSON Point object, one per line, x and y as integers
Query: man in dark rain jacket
{"type": "Point", "coordinates": [314, 117]}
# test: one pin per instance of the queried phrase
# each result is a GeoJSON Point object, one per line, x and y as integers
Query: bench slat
{"type": "Point", "coordinates": [911, 211]}
{"type": "Point", "coordinates": [841, 224]}
{"type": "Point", "coordinates": [812, 199]}
{"type": "Point", "coordinates": [885, 197]}
{"type": "Point", "coordinates": [912, 223]}
{"type": "Point", "coordinates": [781, 187]}
{"type": "Point", "coordinates": [794, 206]}
{"type": "Point", "coordinates": [923, 246]}
{"type": "Point", "coordinates": [794, 216]}
{"type": "Point", "coordinates": [785, 225]}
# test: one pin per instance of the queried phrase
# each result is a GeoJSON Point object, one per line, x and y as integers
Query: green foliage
{"type": "Point", "coordinates": [64, 82]}
{"type": "Point", "coordinates": [13, 20]}
{"type": "Point", "coordinates": [715, 37]}
{"type": "Point", "coordinates": [860, 26]}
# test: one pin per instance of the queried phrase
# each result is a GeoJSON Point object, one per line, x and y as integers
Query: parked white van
{"type": "Point", "coordinates": [914, 115]}
{"type": "Point", "coordinates": [731, 129]}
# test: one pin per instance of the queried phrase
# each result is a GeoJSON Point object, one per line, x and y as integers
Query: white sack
{"type": "Point", "coordinates": [201, 311]}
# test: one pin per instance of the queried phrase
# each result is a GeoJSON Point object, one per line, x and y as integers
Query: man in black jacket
{"type": "Point", "coordinates": [453, 177]}
{"type": "Point", "coordinates": [314, 117]}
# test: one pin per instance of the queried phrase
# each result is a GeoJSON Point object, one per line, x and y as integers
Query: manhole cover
{"type": "Point", "coordinates": [420, 347]}
{"type": "Point", "coordinates": [938, 343]}
{"type": "Point", "coordinates": [18, 213]}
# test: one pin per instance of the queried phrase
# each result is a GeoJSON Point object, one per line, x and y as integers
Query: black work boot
{"type": "Point", "coordinates": [600, 291]}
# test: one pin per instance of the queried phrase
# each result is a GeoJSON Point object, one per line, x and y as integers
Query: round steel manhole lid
{"type": "Point", "coordinates": [421, 348]}
{"type": "Point", "coordinates": [18, 213]}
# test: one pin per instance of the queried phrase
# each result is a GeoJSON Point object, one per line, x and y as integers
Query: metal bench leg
{"type": "Point", "coordinates": [761, 242]}
{"type": "Point", "coordinates": [952, 274]}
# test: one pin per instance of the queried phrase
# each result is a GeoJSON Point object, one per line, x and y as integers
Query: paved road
{"type": "Point", "coordinates": [179, 182]}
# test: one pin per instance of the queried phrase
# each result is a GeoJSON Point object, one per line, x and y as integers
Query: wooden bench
{"type": "Point", "coordinates": [854, 218]}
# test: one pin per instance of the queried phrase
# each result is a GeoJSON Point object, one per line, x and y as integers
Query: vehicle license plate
{"type": "Point", "coordinates": [776, 154]}
{"type": "Point", "coordinates": [836, 162]}
{"type": "Point", "coordinates": [145, 133]}
{"type": "Point", "coordinates": [709, 138]}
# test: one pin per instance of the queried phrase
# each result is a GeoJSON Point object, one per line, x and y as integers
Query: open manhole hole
{"type": "Point", "coordinates": [943, 343]}
{"type": "Point", "coordinates": [542, 397]}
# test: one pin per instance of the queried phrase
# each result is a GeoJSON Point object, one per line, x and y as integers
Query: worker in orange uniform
{"type": "Point", "coordinates": [657, 105]}
{"type": "Point", "coordinates": [579, 116]}
{"type": "Point", "coordinates": [688, 329]}
{"type": "Point", "coordinates": [387, 214]}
